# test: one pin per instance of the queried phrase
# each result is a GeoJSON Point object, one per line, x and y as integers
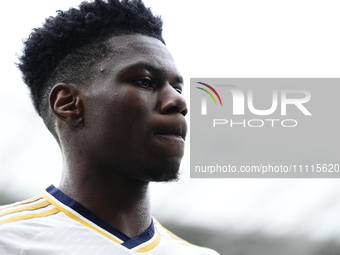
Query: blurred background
{"type": "Point", "coordinates": [207, 39]}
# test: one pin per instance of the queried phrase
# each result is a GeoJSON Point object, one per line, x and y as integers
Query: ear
{"type": "Point", "coordinates": [65, 103]}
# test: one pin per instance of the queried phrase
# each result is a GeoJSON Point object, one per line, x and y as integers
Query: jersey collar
{"type": "Point", "coordinates": [142, 243]}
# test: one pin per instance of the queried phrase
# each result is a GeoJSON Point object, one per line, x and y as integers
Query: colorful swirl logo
{"type": "Point", "coordinates": [209, 92]}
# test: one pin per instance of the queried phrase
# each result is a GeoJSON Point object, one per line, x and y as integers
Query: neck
{"type": "Point", "coordinates": [122, 202]}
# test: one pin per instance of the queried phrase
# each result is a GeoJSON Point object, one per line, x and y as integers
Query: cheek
{"type": "Point", "coordinates": [133, 107]}
{"type": "Point", "coordinates": [122, 116]}
{"type": "Point", "coordinates": [129, 115]}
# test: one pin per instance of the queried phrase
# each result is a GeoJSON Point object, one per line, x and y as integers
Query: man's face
{"type": "Point", "coordinates": [134, 111]}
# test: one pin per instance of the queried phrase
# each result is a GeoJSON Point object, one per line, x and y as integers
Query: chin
{"type": "Point", "coordinates": [164, 173]}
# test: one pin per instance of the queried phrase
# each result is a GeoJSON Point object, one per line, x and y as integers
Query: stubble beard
{"type": "Point", "coordinates": [164, 174]}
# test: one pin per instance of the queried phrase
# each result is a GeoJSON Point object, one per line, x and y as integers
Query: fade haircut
{"type": "Point", "coordinates": [65, 47]}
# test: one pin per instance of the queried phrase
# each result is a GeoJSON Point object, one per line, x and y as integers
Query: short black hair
{"type": "Point", "coordinates": [66, 45]}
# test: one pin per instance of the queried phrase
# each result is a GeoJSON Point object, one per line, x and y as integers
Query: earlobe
{"type": "Point", "coordinates": [65, 103]}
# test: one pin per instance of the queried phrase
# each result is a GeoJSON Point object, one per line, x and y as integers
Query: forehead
{"type": "Point", "coordinates": [133, 49]}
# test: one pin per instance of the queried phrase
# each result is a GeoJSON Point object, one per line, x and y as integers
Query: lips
{"type": "Point", "coordinates": [172, 129]}
{"type": "Point", "coordinates": [170, 136]}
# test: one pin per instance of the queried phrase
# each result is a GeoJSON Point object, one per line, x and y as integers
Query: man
{"type": "Point", "coordinates": [108, 90]}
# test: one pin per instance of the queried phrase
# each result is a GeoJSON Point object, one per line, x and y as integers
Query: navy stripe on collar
{"type": "Point", "coordinates": [127, 241]}
{"type": "Point", "coordinates": [142, 238]}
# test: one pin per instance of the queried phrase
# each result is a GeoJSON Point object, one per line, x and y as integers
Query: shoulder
{"type": "Point", "coordinates": [22, 221]}
{"type": "Point", "coordinates": [174, 240]}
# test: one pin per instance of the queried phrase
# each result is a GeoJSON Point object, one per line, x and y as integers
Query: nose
{"type": "Point", "coordinates": [172, 101]}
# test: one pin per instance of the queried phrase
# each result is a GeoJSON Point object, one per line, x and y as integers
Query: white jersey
{"type": "Point", "coordinates": [55, 224]}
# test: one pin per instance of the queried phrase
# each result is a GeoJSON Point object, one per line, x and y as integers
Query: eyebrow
{"type": "Point", "coordinates": [152, 69]}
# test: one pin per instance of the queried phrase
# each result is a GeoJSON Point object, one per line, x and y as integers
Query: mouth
{"type": "Point", "coordinates": [171, 136]}
{"type": "Point", "coordinates": [173, 131]}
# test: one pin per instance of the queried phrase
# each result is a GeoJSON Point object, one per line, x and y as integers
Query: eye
{"type": "Point", "coordinates": [178, 90]}
{"type": "Point", "coordinates": [146, 83]}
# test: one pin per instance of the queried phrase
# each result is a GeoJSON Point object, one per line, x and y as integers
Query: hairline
{"type": "Point", "coordinates": [46, 113]}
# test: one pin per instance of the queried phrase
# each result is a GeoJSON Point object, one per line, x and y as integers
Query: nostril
{"type": "Point", "coordinates": [172, 109]}
{"type": "Point", "coordinates": [184, 112]}
{"type": "Point", "coordinates": [176, 108]}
